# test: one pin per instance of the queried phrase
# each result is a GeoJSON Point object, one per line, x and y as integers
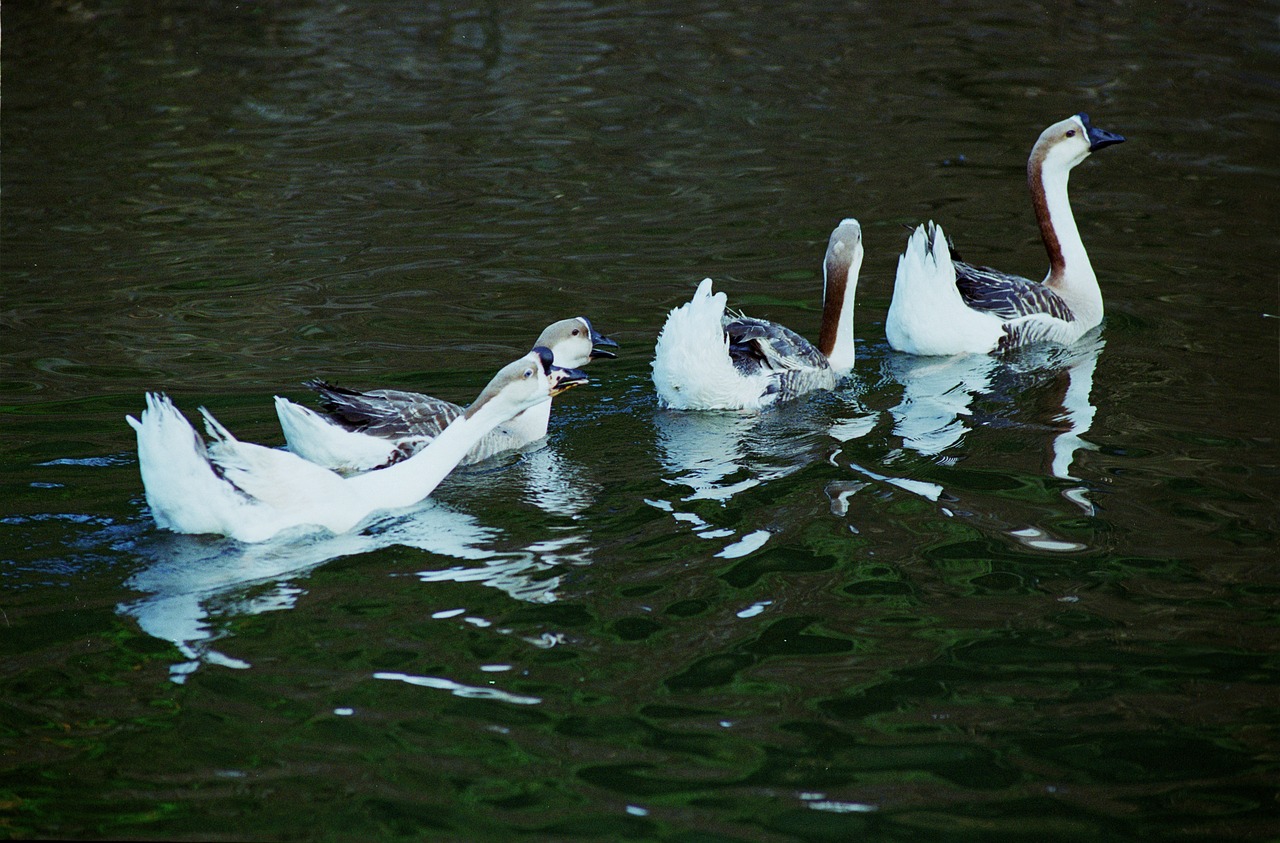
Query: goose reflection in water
{"type": "Point", "coordinates": [718, 455]}
{"type": "Point", "coordinates": [937, 406]}
{"type": "Point", "coordinates": [195, 585]}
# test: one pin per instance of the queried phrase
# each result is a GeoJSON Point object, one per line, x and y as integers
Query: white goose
{"type": "Point", "coordinates": [942, 306]}
{"type": "Point", "coordinates": [709, 360]}
{"type": "Point", "coordinates": [368, 430]}
{"type": "Point", "coordinates": [251, 492]}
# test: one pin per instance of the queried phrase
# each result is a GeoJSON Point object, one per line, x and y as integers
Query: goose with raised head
{"type": "Point", "coordinates": [943, 306]}
{"type": "Point", "coordinates": [361, 431]}
{"type": "Point", "coordinates": [708, 359]}
{"type": "Point", "coordinates": [251, 492]}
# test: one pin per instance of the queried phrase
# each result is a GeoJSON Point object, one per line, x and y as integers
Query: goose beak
{"type": "Point", "coordinates": [599, 353]}
{"type": "Point", "coordinates": [1098, 138]}
{"type": "Point", "coordinates": [563, 380]}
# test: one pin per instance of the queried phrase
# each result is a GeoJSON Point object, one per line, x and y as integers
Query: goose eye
{"type": "Point", "coordinates": [576, 332]}
{"type": "Point", "coordinates": [1071, 133]}
{"type": "Point", "coordinates": [528, 373]}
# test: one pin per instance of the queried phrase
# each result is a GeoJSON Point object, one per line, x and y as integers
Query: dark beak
{"type": "Point", "coordinates": [598, 340]}
{"type": "Point", "coordinates": [565, 379]}
{"type": "Point", "coordinates": [1099, 138]}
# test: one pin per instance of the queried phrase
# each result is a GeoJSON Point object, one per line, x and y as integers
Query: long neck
{"type": "Point", "coordinates": [1070, 272]}
{"type": "Point", "coordinates": [836, 338]}
{"type": "Point", "coordinates": [412, 480]}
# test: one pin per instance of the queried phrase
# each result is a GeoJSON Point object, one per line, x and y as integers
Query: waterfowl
{"type": "Point", "coordinates": [707, 359]}
{"type": "Point", "coordinates": [368, 430]}
{"type": "Point", "coordinates": [251, 492]}
{"type": "Point", "coordinates": [944, 306]}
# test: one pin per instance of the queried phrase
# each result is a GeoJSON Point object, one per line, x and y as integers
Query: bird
{"type": "Point", "coordinates": [943, 306]}
{"type": "Point", "coordinates": [251, 492]}
{"type": "Point", "coordinates": [710, 359]}
{"type": "Point", "coordinates": [362, 431]}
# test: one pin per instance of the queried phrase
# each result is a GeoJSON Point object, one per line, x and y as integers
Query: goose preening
{"type": "Point", "coordinates": [942, 306]}
{"type": "Point", "coordinates": [707, 359]}
{"type": "Point", "coordinates": [368, 430]}
{"type": "Point", "coordinates": [251, 492]}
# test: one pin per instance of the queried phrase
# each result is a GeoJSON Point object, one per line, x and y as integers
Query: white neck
{"type": "Point", "coordinates": [1070, 273]}
{"type": "Point", "coordinates": [838, 294]}
{"type": "Point", "coordinates": [416, 478]}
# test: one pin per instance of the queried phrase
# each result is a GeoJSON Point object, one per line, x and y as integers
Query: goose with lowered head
{"type": "Point", "coordinates": [708, 359]}
{"type": "Point", "coordinates": [943, 306]}
{"type": "Point", "coordinates": [367, 430]}
{"type": "Point", "coordinates": [251, 492]}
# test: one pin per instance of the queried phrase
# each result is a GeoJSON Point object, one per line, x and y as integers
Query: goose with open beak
{"type": "Point", "coordinates": [251, 492]}
{"type": "Point", "coordinates": [361, 431]}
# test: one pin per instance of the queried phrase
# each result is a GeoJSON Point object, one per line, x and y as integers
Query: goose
{"type": "Point", "coordinates": [250, 492]}
{"type": "Point", "coordinates": [707, 359]}
{"type": "Point", "coordinates": [942, 306]}
{"type": "Point", "coordinates": [367, 430]}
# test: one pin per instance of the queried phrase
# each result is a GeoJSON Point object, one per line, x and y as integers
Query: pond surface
{"type": "Point", "coordinates": [1022, 598]}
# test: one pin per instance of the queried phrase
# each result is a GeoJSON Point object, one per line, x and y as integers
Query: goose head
{"type": "Point", "coordinates": [840, 270]}
{"type": "Point", "coordinates": [1068, 142]}
{"type": "Point", "coordinates": [575, 342]}
{"type": "Point", "coordinates": [522, 384]}
{"type": "Point", "coordinates": [844, 254]}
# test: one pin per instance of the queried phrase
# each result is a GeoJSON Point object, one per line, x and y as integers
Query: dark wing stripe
{"type": "Point", "coordinates": [1007, 296]}
{"type": "Point", "coordinates": [758, 342]}
{"type": "Point", "coordinates": [386, 413]}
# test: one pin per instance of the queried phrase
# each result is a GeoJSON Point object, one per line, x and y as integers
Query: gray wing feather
{"type": "Point", "coordinates": [1008, 296]}
{"type": "Point", "coordinates": [758, 342]}
{"type": "Point", "coordinates": [386, 413]}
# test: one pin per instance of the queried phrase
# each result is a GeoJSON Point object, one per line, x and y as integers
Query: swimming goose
{"type": "Point", "coordinates": [944, 306]}
{"type": "Point", "coordinates": [707, 359]}
{"type": "Point", "coordinates": [251, 492]}
{"type": "Point", "coordinates": [368, 430]}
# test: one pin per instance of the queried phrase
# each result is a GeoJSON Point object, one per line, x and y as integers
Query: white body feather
{"type": "Point", "coordinates": [251, 493]}
{"type": "Point", "coordinates": [694, 370]}
{"type": "Point", "coordinates": [318, 439]}
{"type": "Point", "coordinates": [929, 314]}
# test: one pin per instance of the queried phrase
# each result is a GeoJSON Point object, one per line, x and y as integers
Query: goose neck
{"type": "Point", "coordinates": [839, 289]}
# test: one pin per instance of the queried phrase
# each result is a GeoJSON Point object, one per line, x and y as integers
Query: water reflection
{"type": "Point", "coordinates": [936, 410]}
{"type": "Point", "coordinates": [196, 585]}
{"type": "Point", "coordinates": [716, 456]}
{"type": "Point", "coordinates": [937, 396]}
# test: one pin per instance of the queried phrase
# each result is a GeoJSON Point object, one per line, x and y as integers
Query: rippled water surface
{"type": "Point", "coordinates": [1023, 598]}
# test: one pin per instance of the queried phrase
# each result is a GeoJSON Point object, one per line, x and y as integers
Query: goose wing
{"type": "Point", "coordinates": [386, 413]}
{"type": "Point", "coordinates": [759, 343]}
{"type": "Point", "coordinates": [1008, 296]}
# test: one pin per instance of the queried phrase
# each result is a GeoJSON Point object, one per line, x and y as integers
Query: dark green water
{"type": "Point", "coordinates": [1022, 599]}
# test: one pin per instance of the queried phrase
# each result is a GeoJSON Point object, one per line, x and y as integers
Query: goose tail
{"type": "Point", "coordinates": [314, 438]}
{"type": "Point", "coordinates": [180, 483]}
{"type": "Point", "coordinates": [692, 352]}
{"type": "Point", "coordinates": [926, 310]}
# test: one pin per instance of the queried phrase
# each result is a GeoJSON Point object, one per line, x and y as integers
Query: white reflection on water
{"type": "Point", "coordinates": [193, 583]}
{"type": "Point", "coordinates": [553, 484]}
{"type": "Point", "coordinates": [717, 455]}
{"type": "Point", "coordinates": [707, 452]}
{"type": "Point", "coordinates": [458, 689]}
{"type": "Point", "coordinates": [937, 397]}
{"type": "Point", "coordinates": [936, 409]}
